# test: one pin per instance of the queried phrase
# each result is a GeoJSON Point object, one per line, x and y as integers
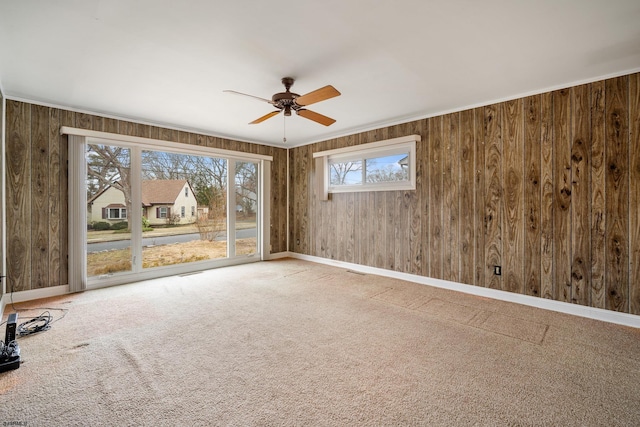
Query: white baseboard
{"type": "Point", "coordinates": [278, 255]}
{"type": "Point", "coordinates": [547, 304]}
{"type": "Point", "coordinates": [32, 294]}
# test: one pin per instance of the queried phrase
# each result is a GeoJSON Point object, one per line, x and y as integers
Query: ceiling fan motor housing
{"type": "Point", "coordinates": [286, 100]}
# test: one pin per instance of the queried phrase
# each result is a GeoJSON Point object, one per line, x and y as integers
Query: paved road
{"type": "Point", "coordinates": [163, 240]}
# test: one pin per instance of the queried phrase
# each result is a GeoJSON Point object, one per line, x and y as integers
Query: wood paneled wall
{"type": "Point", "coordinates": [2, 178]}
{"type": "Point", "coordinates": [37, 187]}
{"type": "Point", "coordinates": [547, 187]}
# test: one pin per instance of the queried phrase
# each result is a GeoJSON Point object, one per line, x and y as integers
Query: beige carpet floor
{"type": "Point", "coordinates": [294, 343]}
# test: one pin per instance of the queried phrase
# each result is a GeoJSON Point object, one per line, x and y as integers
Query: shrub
{"type": "Point", "coordinates": [101, 225]}
{"type": "Point", "coordinates": [173, 219]}
{"type": "Point", "coordinates": [145, 223]}
{"type": "Point", "coordinates": [122, 225]}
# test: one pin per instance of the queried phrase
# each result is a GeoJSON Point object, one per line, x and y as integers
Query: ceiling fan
{"type": "Point", "coordinates": [287, 101]}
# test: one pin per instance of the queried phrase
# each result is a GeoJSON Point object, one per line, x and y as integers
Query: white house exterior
{"type": "Point", "coordinates": [161, 200]}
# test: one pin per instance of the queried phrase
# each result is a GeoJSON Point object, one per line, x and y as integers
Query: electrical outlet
{"type": "Point", "coordinates": [497, 270]}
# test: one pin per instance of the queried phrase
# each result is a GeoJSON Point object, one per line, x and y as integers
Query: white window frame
{"type": "Point", "coordinates": [183, 212]}
{"type": "Point", "coordinates": [388, 147]}
{"type": "Point", "coordinates": [120, 213]}
{"type": "Point", "coordinates": [163, 212]}
{"type": "Point", "coordinates": [79, 138]}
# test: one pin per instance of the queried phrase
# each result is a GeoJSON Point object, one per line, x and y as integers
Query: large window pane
{"type": "Point", "coordinates": [108, 201]}
{"type": "Point", "coordinates": [183, 208]}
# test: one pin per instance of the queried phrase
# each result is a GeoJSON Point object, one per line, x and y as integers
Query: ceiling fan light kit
{"type": "Point", "coordinates": [287, 101]}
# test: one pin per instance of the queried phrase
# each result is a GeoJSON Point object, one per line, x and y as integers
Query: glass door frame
{"type": "Point", "coordinates": [79, 139]}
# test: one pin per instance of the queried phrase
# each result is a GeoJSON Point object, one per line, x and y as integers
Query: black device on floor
{"type": "Point", "coordinates": [10, 351]}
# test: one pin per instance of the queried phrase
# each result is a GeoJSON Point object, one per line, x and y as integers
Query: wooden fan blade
{"type": "Point", "coordinates": [317, 95]}
{"type": "Point", "coordinates": [265, 117]}
{"type": "Point", "coordinates": [316, 117]}
{"type": "Point", "coordinates": [250, 96]}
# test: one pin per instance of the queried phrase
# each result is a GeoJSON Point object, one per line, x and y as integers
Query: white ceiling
{"type": "Point", "coordinates": [167, 62]}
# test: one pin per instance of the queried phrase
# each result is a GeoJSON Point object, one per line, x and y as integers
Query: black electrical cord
{"type": "Point", "coordinates": [37, 324]}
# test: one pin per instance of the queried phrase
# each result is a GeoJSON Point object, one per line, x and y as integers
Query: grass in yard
{"type": "Point", "coordinates": [157, 256]}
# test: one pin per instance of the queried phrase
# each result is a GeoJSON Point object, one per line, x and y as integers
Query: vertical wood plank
{"type": "Point", "coordinates": [399, 219]}
{"type": "Point", "coordinates": [479, 197]}
{"type": "Point", "coordinates": [363, 228]}
{"type": "Point", "coordinates": [278, 200]}
{"type": "Point", "coordinates": [350, 229]}
{"type": "Point", "coordinates": [634, 193]}
{"type": "Point", "coordinates": [425, 202]}
{"type": "Point", "coordinates": [341, 227]}
{"type": "Point", "coordinates": [39, 196]}
{"type": "Point", "coordinates": [319, 222]}
{"type": "Point", "coordinates": [436, 190]}
{"type": "Point", "coordinates": [83, 121]}
{"type": "Point", "coordinates": [598, 194]}
{"type": "Point", "coordinates": [18, 160]}
{"type": "Point", "coordinates": [581, 197]}
{"type": "Point", "coordinates": [513, 169]}
{"type": "Point", "coordinates": [313, 202]}
{"type": "Point", "coordinates": [380, 227]}
{"type": "Point", "coordinates": [562, 189]}
{"type": "Point", "coordinates": [451, 179]}
{"type": "Point", "coordinates": [184, 137]}
{"type": "Point", "coordinates": [306, 179]}
{"type": "Point", "coordinates": [357, 247]}
{"type": "Point", "coordinates": [532, 191]}
{"type": "Point", "coordinates": [415, 213]}
{"type": "Point", "coordinates": [547, 274]}
{"type": "Point", "coordinates": [494, 194]}
{"type": "Point", "coordinates": [55, 198]}
{"type": "Point", "coordinates": [467, 215]}
{"type": "Point", "coordinates": [390, 221]}
{"type": "Point", "coordinates": [617, 194]}
{"type": "Point", "coordinates": [447, 195]}
{"type": "Point", "coordinates": [110, 125]}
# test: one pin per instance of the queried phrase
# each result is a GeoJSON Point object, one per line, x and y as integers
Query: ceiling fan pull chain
{"type": "Point", "coordinates": [284, 129]}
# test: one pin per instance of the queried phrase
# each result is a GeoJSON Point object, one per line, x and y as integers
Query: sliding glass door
{"type": "Point", "coordinates": [153, 212]}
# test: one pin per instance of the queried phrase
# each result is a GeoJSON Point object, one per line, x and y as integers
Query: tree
{"type": "Point", "coordinates": [109, 166]}
{"type": "Point", "coordinates": [246, 186]}
{"type": "Point", "coordinates": [340, 171]}
{"type": "Point", "coordinates": [389, 173]}
{"type": "Point", "coordinates": [213, 224]}
{"type": "Point", "coordinates": [201, 172]}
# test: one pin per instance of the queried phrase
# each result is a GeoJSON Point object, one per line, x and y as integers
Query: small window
{"type": "Point", "coordinates": [378, 166]}
{"type": "Point", "coordinates": [182, 212]}
{"type": "Point", "coordinates": [116, 213]}
{"type": "Point", "coordinates": [186, 191]}
{"type": "Point", "coordinates": [193, 211]}
{"type": "Point", "coordinates": [162, 212]}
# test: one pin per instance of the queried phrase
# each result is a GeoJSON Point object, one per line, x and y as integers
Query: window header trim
{"type": "Point", "coordinates": [385, 144]}
{"type": "Point", "coordinates": [154, 144]}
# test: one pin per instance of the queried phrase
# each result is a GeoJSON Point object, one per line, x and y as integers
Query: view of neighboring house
{"type": "Point", "coordinates": [246, 201]}
{"type": "Point", "coordinates": [161, 199]}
